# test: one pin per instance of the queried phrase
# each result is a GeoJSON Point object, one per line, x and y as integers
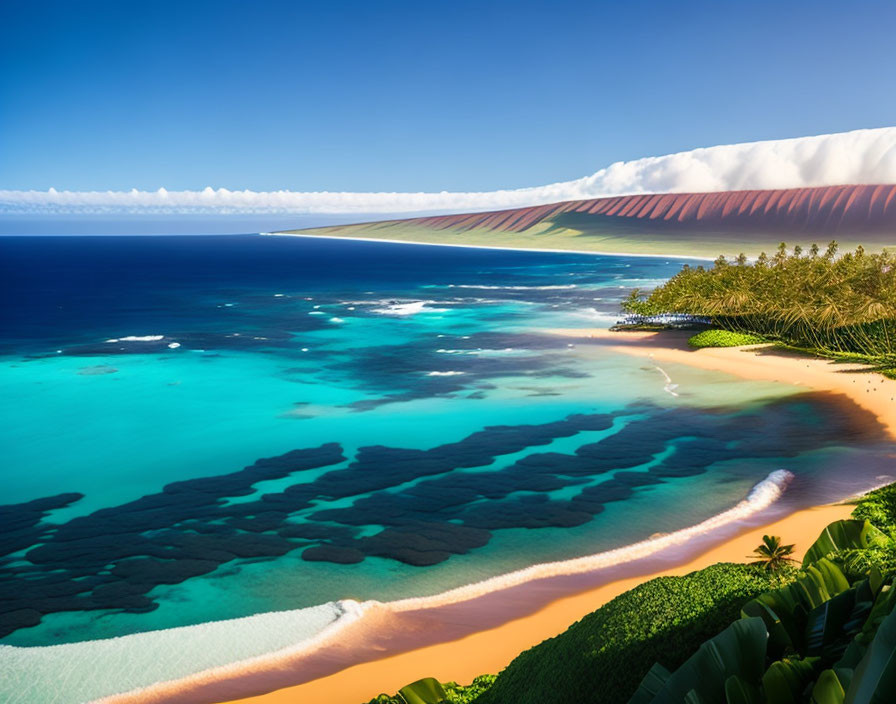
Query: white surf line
{"type": "Point", "coordinates": [484, 246]}
{"type": "Point", "coordinates": [669, 388]}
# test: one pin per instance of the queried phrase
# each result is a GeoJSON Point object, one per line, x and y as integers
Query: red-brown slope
{"type": "Point", "coordinates": [826, 209]}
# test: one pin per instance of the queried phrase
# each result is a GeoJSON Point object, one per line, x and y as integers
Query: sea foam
{"type": "Point", "coordinates": [409, 308]}
{"type": "Point", "coordinates": [137, 338]}
{"type": "Point", "coordinates": [73, 673]}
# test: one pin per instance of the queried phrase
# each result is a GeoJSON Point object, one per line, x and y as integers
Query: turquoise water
{"type": "Point", "coordinates": [422, 428]}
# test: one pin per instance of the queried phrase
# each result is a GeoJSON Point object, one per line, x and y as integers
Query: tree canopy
{"type": "Point", "coordinates": [841, 303]}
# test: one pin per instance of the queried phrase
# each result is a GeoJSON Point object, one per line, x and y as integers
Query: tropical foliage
{"type": "Point", "coordinates": [602, 658]}
{"type": "Point", "coordinates": [811, 299]}
{"type": "Point", "coordinates": [843, 535]}
{"type": "Point", "coordinates": [772, 554]}
{"type": "Point", "coordinates": [826, 638]}
{"type": "Point", "coordinates": [723, 338]}
{"type": "Point", "coordinates": [431, 691]}
{"type": "Point", "coordinates": [815, 640]}
{"type": "Point", "coordinates": [878, 507]}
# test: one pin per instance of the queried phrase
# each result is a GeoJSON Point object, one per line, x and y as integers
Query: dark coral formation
{"type": "Point", "coordinates": [415, 506]}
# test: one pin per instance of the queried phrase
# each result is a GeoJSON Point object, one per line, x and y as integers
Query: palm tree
{"type": "Point", "coordinates": [771, 554]}
{"type": "Point", "coordinates": [834, 304]}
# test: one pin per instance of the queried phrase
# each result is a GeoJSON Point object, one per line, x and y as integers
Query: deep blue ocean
{"type": "Point", "coordinates": [195, 429]}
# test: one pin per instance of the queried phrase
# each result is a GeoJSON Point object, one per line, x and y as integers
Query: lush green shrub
{"type": "Point", "coordinates": [458, 694]}
{"type": "Point", "coordinates": [455, 693]}
{"type": "Point", "coordinates": [603, 657]}
{"type": "Point", "coordinates": [878, 507]}
{"type": "Point", "coordinates": [387, 699]}
{"type": "Point", "coordinates": [723, 338]}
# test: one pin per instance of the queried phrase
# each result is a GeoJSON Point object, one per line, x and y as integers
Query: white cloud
{"type": "Point", "coordinates": [862, 156]}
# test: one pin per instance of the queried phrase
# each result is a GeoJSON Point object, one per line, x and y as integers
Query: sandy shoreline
{"type": "Point", "coordinates": [868, 390]}
{"type": "Point", "coordinates": [490, 650]}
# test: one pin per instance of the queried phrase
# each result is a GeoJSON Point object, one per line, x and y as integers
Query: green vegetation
{"type": "Point", "coordinates": [843, 535]}
{"type": "Point", "coordinates": [723, 338]}
{"type": "Point", "coordinates": [466, 695]}
{"type": "Point", "coordinates": [811, 641]}
{"type": "Point", "coordinates": [879, 508]}
{"type": "Point", "coordinates": [827, 637]}
{"type": "Point", "coordinates": [451, 692]}
{"type": "Point", "coordinates": [810, 300]}
{"type": "Point", "coordinates": [727, 664]}
{"type": "Point", "coordinates": [423, 691]}
{"type": "Point", "coordinates": [603, 657]}
{"type": "Point", "coordinates": [772, 554]}
{"type": "Point", "coordinates": [732, 634]}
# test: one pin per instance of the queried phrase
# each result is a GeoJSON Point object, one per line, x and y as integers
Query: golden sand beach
{"type": "Point", "coordinates": [871, 391]}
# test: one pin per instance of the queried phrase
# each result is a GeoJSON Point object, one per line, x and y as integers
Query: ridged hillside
{"type": "Point", "coordinates": [674, 223]}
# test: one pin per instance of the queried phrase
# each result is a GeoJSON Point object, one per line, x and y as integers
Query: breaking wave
{"type": "Point", "coordinates": [408, 308]}
{"type": "Point", "coordinates": [137, 338]}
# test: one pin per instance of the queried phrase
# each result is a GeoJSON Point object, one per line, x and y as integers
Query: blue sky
{"type": "Point", "coordinates": [414, 96]}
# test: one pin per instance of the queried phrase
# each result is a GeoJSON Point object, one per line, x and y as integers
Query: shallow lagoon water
{"type": "Point", "coordinates": [130, 365]}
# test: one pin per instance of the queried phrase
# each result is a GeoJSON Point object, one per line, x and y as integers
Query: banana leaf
{"type": "Point", "coordinates": [825, 580]}
{"type": "Point", "coordinates": [425, 691]}
{"type": "Point", "coordinates": [785, 680]}
{"type": "Point", "coordinates": [781, 635]}
{"type": "Point", "coordinates": [883, 605]}
{"type": "Point", "coordinates": [831, 626]}
{"type": "Point", "coordinates": [651, 684]}
{"type": "Point", "coordinates": [785, 611]}
{"type": "Point", "coordinates": [842, 535]}
{"type": "Point", "coordinates": [739, 691]}
{"type": "Point", "coordinates": [738, 650]}
{"type": "Point", "coordinates": [828, 689]}
{"type": "Point", "coordinates": [874, 680]}
{"type": "Point", "coordinates": [829, 692]}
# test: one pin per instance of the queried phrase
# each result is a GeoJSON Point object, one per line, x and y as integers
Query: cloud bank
{"type": "Point", "coordinates": [858, 157]}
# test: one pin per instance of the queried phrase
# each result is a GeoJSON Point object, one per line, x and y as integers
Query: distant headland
{"type": "Point", "coordinates": [695, 224]}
